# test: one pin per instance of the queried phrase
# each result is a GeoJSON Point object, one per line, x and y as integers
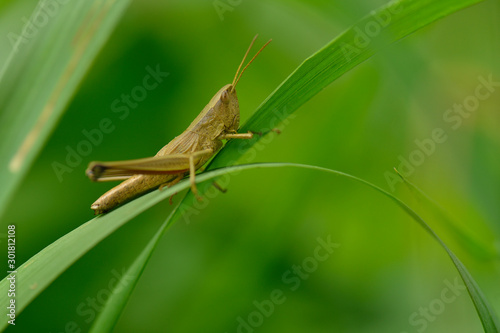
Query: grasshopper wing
{"type": "Point", "coordinates": [167, 164]}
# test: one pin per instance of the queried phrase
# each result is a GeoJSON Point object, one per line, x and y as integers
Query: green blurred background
{"type": "Point", "coordinates": [210, 269]}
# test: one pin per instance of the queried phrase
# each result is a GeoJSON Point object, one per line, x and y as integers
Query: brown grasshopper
{"type": "Point", "coordinates": [186, 153]}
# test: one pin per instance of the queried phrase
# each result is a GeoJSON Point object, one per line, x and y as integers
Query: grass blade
{"type": "Point", "coordinates": [337, 58]}
{"type": "Point", "coordinates": [328, 64]}
{"type": "Point", "coordinates": [48, 264]}
{"type": "Point", "coordinates": [41, 75]}
{"type": "Point", "coordinates": [114, 306]}
{"type": "Point", "coordinates": [464, 238]}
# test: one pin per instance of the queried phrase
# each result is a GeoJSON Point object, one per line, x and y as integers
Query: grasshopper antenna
{"type": "Point", "coordinates": [238, 76]}
{"type": "Point", "coordinates": [244, 57]}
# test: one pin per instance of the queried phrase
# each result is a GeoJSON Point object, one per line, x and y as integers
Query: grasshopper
{"type": "Point", "coordinates": [219, 120]}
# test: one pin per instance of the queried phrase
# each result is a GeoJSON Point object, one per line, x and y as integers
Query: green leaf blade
{"type": "Point", "coordinates": [41, 76]}
{"type": "Point", "coordinates": [48, 264]}
{"type": "Point", "coordinates": [334, 60]}
{"type": "Point", "coordinates": [111, 311]}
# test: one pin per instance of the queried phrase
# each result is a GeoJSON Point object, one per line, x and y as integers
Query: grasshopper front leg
{"type": "Point", "coordinates": [248, 135]}
{"type": "Point", "coordinates": [226, 136]}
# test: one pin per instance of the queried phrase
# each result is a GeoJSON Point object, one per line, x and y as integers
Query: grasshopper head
{"type": "Point", "coordinates": [224, 105]}
{"type": "Point", "coordinates": [229, 99]}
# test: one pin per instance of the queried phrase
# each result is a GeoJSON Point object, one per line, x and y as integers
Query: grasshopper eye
{"type": "Point", "coordinates": [224, 96]}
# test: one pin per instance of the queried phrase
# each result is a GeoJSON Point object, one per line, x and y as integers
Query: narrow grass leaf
{"type": "Point", "coordinates": [112, 309]}
{"type": "Point", "coordinates": [47, 62]}
{"type": "Point", "coordinates": [470, 243]}
{"type": "Point", "coordinates": [48, 264]}
{"type": "Point", "coordinates": [399, 19]}
{"type": "Point", "coordinates": [338, 57]}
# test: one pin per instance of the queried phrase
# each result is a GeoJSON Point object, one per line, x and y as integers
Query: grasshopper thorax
{"type": "Point", "coordinates": [230, 109]}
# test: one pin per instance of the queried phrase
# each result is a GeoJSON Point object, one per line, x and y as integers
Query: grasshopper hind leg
{"type": "Point", "coordinates": [192, 179]}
